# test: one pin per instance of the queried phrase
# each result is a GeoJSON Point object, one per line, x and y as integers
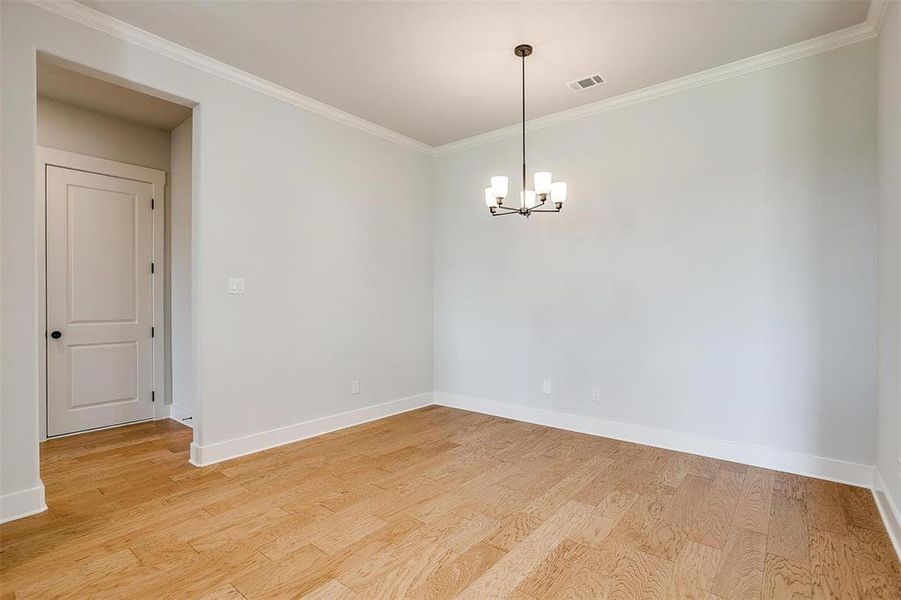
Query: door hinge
{"type": "Point", "coordinates": [152, 204]}
{"type": "Point", "coordinates": [152, 396]}
{"type": "Point", "coordinates": [152, 332]}
{"type": "Point", "coordinates": [152, 268]}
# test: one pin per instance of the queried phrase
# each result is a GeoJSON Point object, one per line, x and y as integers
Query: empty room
{"type": "Point", "coordinates": [450, 299]}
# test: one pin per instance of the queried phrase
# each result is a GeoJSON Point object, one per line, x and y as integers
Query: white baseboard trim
{"type": "Point", "coordinates": [163, 411]}
{"type": "Point", "coordinates": [888, 509]}
{"type": "Point", "coordinates": [213, 453]}
{"type": "Point", "coordinates": [181, 415]}
{"type": "Point", "coordinates": [758, 456]}
{"type": "Point", "coordinates": [25, 503]}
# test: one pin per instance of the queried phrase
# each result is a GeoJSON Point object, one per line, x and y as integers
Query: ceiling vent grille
{"type": "Point", "coordinates": [587, 82]}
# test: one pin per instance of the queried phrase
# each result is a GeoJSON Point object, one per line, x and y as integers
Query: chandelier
{"type": "Point", "coordinates": [530, 201]}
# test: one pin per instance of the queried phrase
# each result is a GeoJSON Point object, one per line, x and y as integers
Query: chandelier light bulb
{"type": "Point", "coordinates": [499, 186]}
{"type": "Point", "coordinates": [490, 199]}
{"type": "Point", "coordinates": [558, 192]}
{"type": "Point", "coordinates": [542, 183]}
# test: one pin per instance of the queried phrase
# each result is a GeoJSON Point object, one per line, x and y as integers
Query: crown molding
{"type": "Point", "coordinates": [876, 14]}
{"type": "Point", "coordinates": [120, 29]}
{"type": "Point", "coordinates": [95, 19]}
{"type": "Point", "coordinates": [824, 43]}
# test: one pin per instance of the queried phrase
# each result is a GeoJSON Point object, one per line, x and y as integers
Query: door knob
{"type": "Point", "coordinates": [56, 334]}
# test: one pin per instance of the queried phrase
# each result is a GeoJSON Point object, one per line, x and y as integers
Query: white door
{"type": "Point", "coordinates": [99, 300]}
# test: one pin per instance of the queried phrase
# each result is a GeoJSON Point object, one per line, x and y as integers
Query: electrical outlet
{"type": "Point", "coordinates": [595, 394]}
{"type": "Point", "coordinates": [546, 387]}
{"type": "Point", "coordinates": [354, 387]}
{"type": "Point", "coordinates": [899, 467]}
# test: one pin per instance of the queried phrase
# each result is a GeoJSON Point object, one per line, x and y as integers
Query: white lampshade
{"type": "Point", "coordinates": [528, 201]}
{"type": "Point", "coordinates": [558, 191]}
{"type": "Point", "coordinates": [542, 182]}
{"type": "Point", "coordinates": [490, 200]}
{"type": "Point", "coordinates": [499, 186]}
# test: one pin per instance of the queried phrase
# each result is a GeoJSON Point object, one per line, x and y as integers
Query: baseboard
{"type": "Point", "coordinates": [181, 415]}
{"type": "Point", "coordinates": [214, 453]}
{"type": "Point", "coordinates": [888, 509]}
{"type": "Point", "coordinates": [161, 411]}
{"type": "Point", "coordinates": [22, 504]}
{"type": "Point", "coordinates": [758, 456]}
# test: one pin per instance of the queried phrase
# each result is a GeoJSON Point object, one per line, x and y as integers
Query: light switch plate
{"type": "Point", "coordinates": [354, 387]}
{"type": "Point", "coordinates": [235, 285]}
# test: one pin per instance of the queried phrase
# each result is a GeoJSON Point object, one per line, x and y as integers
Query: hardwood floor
{"type": "Point", "coordinates": [436, 503]}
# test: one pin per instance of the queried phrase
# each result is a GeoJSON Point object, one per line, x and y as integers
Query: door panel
{"type": "Point", "coordinates": [118, 381]}
{"type": "Point", "coordinates": [102, 255]}
{"type": "Point", "coordinates": [99, 297]}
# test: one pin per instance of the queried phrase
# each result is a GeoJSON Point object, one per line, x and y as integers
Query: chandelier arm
{"type": "Point", "coordinates": [545, 210]}
{"type": "Point", "coordinates": [504, 214]}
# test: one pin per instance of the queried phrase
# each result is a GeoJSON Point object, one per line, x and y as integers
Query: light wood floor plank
{"type": "Point", "coordinates": [333, 590]}
{"type": "Point", "coordinates": [785, 579]}
{"type": "Point", "coordinates": [693, 572]}
{"type": "Point", "coordinates": [714, 518]}
{"type": "Point", "coordinates": [787, 535]}
{"type": "Point", "coordinates": [552, 568]}
{"type": "Point", "coordinates": [509, 571]}
{"type": "Point", "coordinates": [454, 575]}
{"type": "Point", "coordinates": [832, 566]}
{"type": "Point", "coordinates": [436, 503]}
{"type": "Point", "coordinates": [753, 510]}
{"type": "Point", "coordinates": [741, 572]}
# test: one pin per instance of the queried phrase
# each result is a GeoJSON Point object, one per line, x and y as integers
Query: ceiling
{"type": "Point", "coordinates": [442, 71]}
{"type": "Point", "coordinates": [59, 83]}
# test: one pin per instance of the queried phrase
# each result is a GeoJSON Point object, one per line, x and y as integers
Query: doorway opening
{"type": "Point", "coordinates": [114, 191]}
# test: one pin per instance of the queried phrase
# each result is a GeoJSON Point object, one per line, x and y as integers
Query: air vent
{"type": "Point", "coordinates": [584, 83]}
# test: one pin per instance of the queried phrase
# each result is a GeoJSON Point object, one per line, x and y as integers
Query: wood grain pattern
{"type": "Point", "coordinates": [788, 529]}
{"type": "Point", "coordinates": [589, 578]}
{"type": "Point", "coordinates": [714, 518]}
{"type": "Point", "coordinates": [452, 577]}
{"type": "Point", "coordinates": [554, 567]}
{"type": "Point", "coordinates": [688, 500]}
{"type": "Point", "coordinates": [826, 515]}
{"type": "Point", "coordinates": [436, 503]}
{"type": "Point", "coordinates": [753, 510]}
{"type": "Point", "coordinates": [639, 575]}
{"type": "Point", "coordinates": [877, 569]}
{"type": "Point", "coordinates": [693, 572]}
{"type": "Point", "coordinates": [832, 566]}
{"type": "Point", "coordinates": [741, 572]}
{"type": "Point", "coordinates": [333, 590]}
{"type": "Point", "coordinates": [509, 571]}
{"type": "Point", "coordinates": [784, 578]}
{"type": "Point", "coordinates": [860, 508]}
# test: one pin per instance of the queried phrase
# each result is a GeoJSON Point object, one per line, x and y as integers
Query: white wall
{"type": "Point", "coordinates": [714, 271]}
{"type": "Point", "coordinates": [330, 226]}
{"type": "Point", "coordinates": [889, 99]}
{"type": "Point", "coordinates": [179, 258]}
{"type": "Point", "coordinates": [75, 129]}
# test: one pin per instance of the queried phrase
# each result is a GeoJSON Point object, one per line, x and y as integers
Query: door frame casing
{"type": "Point", "coordinates": [80, 162]}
